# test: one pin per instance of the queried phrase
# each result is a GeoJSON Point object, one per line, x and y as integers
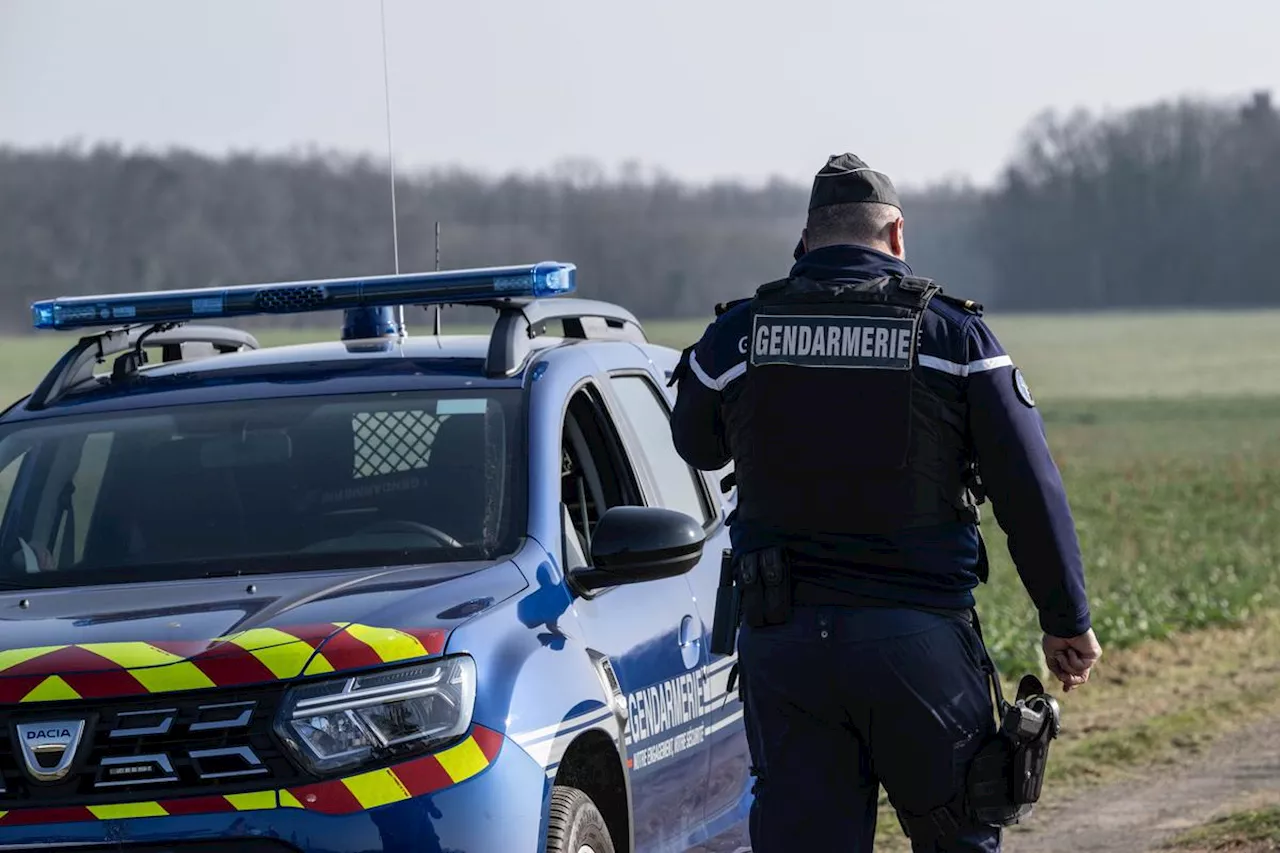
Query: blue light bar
{"type": "Point", "coordinates": [428, 288]}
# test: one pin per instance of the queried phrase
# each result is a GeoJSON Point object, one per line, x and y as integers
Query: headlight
{"type": "Point", "coordinates": [334, 725]}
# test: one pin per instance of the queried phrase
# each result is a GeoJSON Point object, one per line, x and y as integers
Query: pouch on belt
{"type": "Point", "coordinates": [764, 578]}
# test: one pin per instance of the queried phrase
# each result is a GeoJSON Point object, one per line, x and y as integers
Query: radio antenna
{"type": "Point", "coordinates": [439, 308]}
{"type": "Point", "coordinates": [391, 155]}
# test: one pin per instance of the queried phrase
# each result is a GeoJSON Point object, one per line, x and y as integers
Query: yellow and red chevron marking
{"type": "Point", "coordinates": [362, 792]}
{"type": "Point", "coordinates": [106, 670]}
{"type": "Point", "coordinates": [255, 801]}
{"type": "Point", "coordinates": [392, 784]}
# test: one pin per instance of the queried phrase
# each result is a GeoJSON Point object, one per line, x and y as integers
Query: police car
{"type": "Point", "coordinates": [431, 593]}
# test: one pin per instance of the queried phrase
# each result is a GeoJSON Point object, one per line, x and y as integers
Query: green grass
{"type": "Point", "coordinates": [1253, 829]}
{"type": "Point", "coordinates": [1066, 357]}
{"type": "Point", "coordinates": [1123, 356]}
{"type": "Point", "coordinates": [1167, 429]}
{"type": "Point", "coordinates": [1177, 504]}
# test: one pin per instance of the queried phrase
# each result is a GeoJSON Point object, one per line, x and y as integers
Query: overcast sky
{"type": "Point", "coordinates": [701, 88]}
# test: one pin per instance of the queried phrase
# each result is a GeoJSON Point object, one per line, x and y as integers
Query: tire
{"type": "Point", "coordinates": [576, 824]}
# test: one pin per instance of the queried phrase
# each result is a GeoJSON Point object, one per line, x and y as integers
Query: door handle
{"type": "Point", "coordinates": [690, 641]}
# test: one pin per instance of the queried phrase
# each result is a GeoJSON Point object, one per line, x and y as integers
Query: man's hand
{"type": "Point", "coordinates": [1071, 659]}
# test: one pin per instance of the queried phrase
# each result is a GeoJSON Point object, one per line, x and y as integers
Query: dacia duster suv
{"type": "Point", "coordinates": [387, 593]}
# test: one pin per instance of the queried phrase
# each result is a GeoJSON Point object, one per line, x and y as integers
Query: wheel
{"type": "Point", "coordinates": [576, 824]}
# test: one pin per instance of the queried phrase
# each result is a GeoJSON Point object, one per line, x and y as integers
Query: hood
{"type": "Point", "coordinates": [95, 642]}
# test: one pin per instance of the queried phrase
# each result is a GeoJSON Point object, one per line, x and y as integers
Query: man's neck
{"type": "Point", "coordinates": [840, 262]}
{"type": "Point", "coordinates": [882, 248]}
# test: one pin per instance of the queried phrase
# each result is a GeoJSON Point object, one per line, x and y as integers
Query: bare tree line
{"type": "Point", "coordinates": [1174, 204]}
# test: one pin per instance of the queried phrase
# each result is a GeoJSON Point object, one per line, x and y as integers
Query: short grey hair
{"type": "Point", "coordinates": [860, 223]}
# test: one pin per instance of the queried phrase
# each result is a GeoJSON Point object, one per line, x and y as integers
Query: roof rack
{"type": "Point", "coordinates": [76, 365]}
{"type": "Point", "coordinates": [200, 341]}
{"type": "Point", "coordinates": [521, 321]}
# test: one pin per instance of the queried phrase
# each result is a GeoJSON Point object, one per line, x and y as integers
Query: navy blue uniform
{"type": "Point", "coordinates": [886, 694]}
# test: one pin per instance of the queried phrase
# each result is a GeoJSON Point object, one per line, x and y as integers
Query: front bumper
{"type": "Point", "coordinates": [498, 808]}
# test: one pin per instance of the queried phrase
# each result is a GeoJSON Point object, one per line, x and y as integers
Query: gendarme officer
{"type": "Point", "coordinates": [858, 405]}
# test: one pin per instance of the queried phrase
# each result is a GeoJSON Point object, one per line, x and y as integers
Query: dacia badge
{"type": "Point", "coordinates": [48, 748]}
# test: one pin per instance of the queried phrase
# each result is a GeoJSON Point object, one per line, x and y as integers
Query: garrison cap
{"type": "Point", "coordinates": [846, 179]}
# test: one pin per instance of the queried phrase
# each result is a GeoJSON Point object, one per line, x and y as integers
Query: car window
{"type": "Point", "coordinates": [8, 478]}
{"type": "Point", "coordinates": [594, 474]}
{"type": "Point", "coordinates": [289, 483]}
{"type": "Point", "coordinates": [87, 464]}
{"type": "Point", "coordinates": [677, 483]}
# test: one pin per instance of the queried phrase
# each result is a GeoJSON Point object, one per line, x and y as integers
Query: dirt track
{"type": "Point", "coordinates": [1137, 815]}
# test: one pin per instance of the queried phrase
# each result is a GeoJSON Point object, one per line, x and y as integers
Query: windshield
{"type": "Point", "coordinates": [263, 485]}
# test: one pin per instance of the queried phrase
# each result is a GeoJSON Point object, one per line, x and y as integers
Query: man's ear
{"type": "Point", "coordinates": [897, 238]}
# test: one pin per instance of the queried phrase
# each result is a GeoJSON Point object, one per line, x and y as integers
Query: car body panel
{"type": "Point", "coordinates": [96, 642]}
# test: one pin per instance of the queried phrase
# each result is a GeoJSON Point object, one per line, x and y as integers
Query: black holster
{"type": "Point", "coordinates": [1004, 779]}
{"type": "Point", "coordinates": [728, 612]}
{"type": "Point", "coordinates": [1007, 775]}
{"type": "Point", "coordinates": [764, 584]}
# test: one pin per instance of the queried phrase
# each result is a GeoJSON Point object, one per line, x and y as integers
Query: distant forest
{"type": "Point", "coordinates": [1173, 204]}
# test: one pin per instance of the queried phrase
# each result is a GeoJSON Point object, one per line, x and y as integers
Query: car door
{"type": "Point", "coordinates": [679, 487]}
{"type": "Point", "coordinates": [649, 631]}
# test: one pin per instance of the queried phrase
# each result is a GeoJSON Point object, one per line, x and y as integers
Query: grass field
{"type": "Point", "coordinates": [1066, 357]}
{"type": "Point", "coordinates": [1249, 831]}
{"type": "Point", "coordinates": [1167, 429]}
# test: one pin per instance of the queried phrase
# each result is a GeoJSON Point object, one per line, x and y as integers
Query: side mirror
{"type": "Point", "coordinates": [633, 544]}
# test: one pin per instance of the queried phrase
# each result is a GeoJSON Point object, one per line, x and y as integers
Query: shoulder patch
{"type": "Point", "coordinates": [963, 304]}
{"type": "Point", "coordinates": [1020, 388]}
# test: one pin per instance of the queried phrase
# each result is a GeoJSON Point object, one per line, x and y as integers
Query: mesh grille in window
{"type": "Point", "coordinates": [392, 442]}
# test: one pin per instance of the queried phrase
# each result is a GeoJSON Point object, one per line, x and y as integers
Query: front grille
{"type": "Point", "coordinates": [156, 748]}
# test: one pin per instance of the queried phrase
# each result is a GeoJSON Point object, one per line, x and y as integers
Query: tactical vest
{"type": "Point", "coordinates": [834, 429]}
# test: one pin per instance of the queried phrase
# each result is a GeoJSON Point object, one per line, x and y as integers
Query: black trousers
{"type": "Point", "coordinates": [840, 701]}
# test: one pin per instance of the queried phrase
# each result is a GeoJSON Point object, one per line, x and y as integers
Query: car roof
{"type": "Point", "coordinates": [422, 362]}
{"type": "Point", "coordinates": [203, 363]}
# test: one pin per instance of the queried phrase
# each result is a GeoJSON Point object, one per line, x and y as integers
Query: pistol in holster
{"type": "Point", "coordinates": [728, 615]}
{"type": "Point", "coordinates": [1006, 775]}
{"type": "Point", "coordinates": [1004, 779]}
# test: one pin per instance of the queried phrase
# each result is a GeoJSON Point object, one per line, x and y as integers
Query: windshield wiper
{"type": "Point", "coordinates": [239, 573]}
